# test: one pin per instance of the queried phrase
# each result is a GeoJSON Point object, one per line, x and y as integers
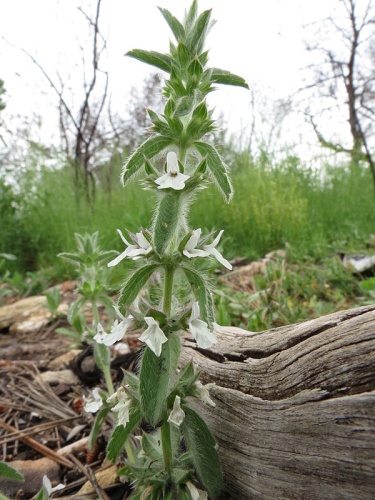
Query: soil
{"type": "Point", "coordinates": [43, 427]}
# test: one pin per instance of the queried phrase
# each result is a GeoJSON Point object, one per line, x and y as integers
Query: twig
{"type": "Point", "coordinates": [44, 450]}
{"type": "Point", "coordinates": [87, 471]}
{"type": "Point", "coordinates": [36, 429]}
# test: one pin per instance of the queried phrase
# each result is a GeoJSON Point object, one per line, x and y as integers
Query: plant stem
{"type": "Point", "coordinates": [168, 289]}
{"type": "Point", "coordinates": [95, 312]}
{"type": "Point", "coordinates": [108, 380]}
{"type": "Point", "coordinates": [166, 445]}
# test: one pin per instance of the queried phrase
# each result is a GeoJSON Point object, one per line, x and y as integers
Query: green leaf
{"type": "Point", "coordinates": [102, 356]}
{"type": "Point", "coordinates": [10, 472]}
{"type": "Point", "coordinates": [202, 293]}
{"type": "Point", "coordinates": [121, 433]}
{"type": "Point", "coordinates": [161, 61]}
{"type": "Point", "coordinates": [73, 258]}
{"type": "Point", "coordinates": [155, 377]}
{"type": "Point", "coordinates": [106, 301]}
{"type": "Point", "coordinates": [152, 146]}
{"type": "Point", "coordinates": [201, 445]}
{"type": "Point", "coordinates": [196, 36]}
{"type": "Point", "coordinates": [75, 309]}
{"type": "Point", "coordinates": [227, 78]}
{"type": "Point", "coordinates": [175, 25]}
{"type": "Point", "coordinates": [183, 55]}
{"type": "Point", "coordinates": [217, 168]}
{"type": "Point", "coordinates": [99, 419]}
{"type": "Point", "coordinates": [134, 284]}
{"type": "Point", "coordinates": [151, 446]}
{"type": "Point", "coordinates": [184, 106]}
{"type": "Point", "coordinates": [166, 220]}
{"type": "Point", "coordinates": [191, 15]}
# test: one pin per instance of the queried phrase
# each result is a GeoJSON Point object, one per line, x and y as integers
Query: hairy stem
{"type": "Point", "coordinates": [168, 290]}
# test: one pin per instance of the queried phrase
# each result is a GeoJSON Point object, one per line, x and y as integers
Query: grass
{"type": "Point", "coordinates": [285, 205]}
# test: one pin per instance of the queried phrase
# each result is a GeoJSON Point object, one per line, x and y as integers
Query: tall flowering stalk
{"type": "Point", "coordinates": [175, 162]}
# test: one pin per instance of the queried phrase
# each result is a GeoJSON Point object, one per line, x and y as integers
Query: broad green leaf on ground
{"type": "Point", "coordinates": [9, 472]}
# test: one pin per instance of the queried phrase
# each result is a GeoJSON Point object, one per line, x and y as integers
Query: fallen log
{"type": "Point", "coordinates": [295, 407]}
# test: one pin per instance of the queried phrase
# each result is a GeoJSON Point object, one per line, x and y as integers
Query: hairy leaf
{"type": "Point", "coordinates": [161, 61]}
{"type": "Point", "coordinates": [152, 146]}
{"type": "Point", "coordinates": [134, 284]}
{"type": "Point", "coordinates": [201, 445]}
{"type": "Point", "coordinates": [202, 293]}
{"type": "Point", "coordinates": [227, 78]}
{"type": "Point", "coordinates": [217, 168]}
{"type": "Point", "coordinates": [155, 376]}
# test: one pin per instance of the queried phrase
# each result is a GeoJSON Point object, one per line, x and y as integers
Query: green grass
{"type": "Point", "coordinates": [286, 205]}
{"type": "Point", "coordinates": [274, 205]}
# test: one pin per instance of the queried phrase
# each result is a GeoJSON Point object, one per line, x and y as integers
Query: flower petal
{"type": "Point", "coordinates": [153, 336]}
{"type": "Point", "coordinates": [92, 404]}
{"type": "Point", "coordinates": [177, 414]}
{"type": "Point", "coordinates": [172, 163]}
{"type": "Point", "coordinates": [221, 259]}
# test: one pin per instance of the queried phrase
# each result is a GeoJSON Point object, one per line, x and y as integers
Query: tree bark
{"type": "Point", "coordinates": [295, 407]}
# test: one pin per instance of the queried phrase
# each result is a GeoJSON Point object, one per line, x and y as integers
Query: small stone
{"type": "Point", "coordinates": [33, 472]}
{"type": "Point", "coordinates": [63, 361]}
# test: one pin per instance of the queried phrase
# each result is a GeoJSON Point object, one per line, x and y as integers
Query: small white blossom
{"type": "Point", "coordinates": [212, 251]}
{"type": "Point", "coordinates": [190, 249]}
{"type": "Point", "coordinates": [173, 178]}
{"type": "Point", "coordinates": [195, 493]}
{"type": "Point", "coordinates": [133, 251]}
{"type": "Point", "coordinates": [154, 336]}
{"type": "Point", "coordinates": [47, 486]}
{"type": "Point", "coordinates": [92, 404]}
{"type": "Point", "coordinates": [177, 414]}
{"type": "Point", "coordinates": [117, 331]}
{"type": "Point", "coordinates": [202, 392]}
{"type": "Point", "coordinates": [199, 329]}
{"type": "Point", "coordinates": [122, 406]}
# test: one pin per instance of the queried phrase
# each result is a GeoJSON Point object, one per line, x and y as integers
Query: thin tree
{"type": "Point", "coordinates": [345, 75]}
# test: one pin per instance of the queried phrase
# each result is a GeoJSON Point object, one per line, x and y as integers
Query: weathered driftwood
{"type": "Point", "coordinates": [295, 407]}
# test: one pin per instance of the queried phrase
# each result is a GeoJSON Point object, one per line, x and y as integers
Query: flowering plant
{"type": "Point", "coordinates": [179, 455]}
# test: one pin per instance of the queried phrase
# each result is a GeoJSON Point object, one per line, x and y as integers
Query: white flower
{"type": "Point", "coordinates": [212, 251]}
{"type": "Point", "coordinates": [202, 392]}
{"type": "Point", "coordinates": [133, 251]}
{"type": "Point", "coordinates": [190, 251]}
{"type": "Point", "coordinates": [195, 493]}
{"type": "Point", "coordinates": [199, 329]}
{"type": "Point", "coordinates": [117, 331]}
{"type": "Point", "coordinates": [93, 403]}
{"type": "Point", "coordinates": [122, 406]}
{"type": "Point", "coordinates": [154, 336]}
{"type": "Point", "coordinates": [173, 178]}
{"type": "Point", "coordinates": [177, 414]}
{"type": "Point", "coordinates": [47, 486]}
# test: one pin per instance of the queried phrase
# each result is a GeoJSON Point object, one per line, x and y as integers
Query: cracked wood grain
{"type": "Point", "coordinates": [295, 407]}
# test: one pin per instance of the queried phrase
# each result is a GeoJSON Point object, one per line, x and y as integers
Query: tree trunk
{"type": "Point", "coordinates": [295, 407]}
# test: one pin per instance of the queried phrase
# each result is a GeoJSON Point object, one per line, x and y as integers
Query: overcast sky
{"type": "Point", "coordinates": [263, 41]}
